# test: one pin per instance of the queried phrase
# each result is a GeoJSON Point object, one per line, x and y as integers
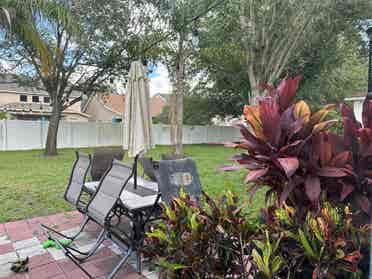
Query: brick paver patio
{"type": "Point", "coordinates": [24, 238]}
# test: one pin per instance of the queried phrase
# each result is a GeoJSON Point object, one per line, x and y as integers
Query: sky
{"type": "Point", "coordinates": [159, 80]}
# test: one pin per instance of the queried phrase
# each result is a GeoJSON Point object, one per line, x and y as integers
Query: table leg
{"type": "Point", "coordinates": [122, 262]}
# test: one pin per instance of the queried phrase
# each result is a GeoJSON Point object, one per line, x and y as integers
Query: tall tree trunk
{"type": "Point", "coordinates": [179, 105]}
{"type": "Point", "coordinates": [255, 85]}
{"type": "Point", "coordinates": [51, 142]}
{"type": "Point", "coordinates": [172, 118]}
{"type": "Point", "coordinates": [179, 124]}
{"type": "Point", "coordinates": [176, 111]}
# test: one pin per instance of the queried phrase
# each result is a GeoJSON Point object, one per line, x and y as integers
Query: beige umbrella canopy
{"type": "Point", "coordinates": [137, 132]}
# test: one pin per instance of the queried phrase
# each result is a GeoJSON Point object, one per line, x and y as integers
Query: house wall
{"type": "Point", "coordinates": [6, 98]}
{"type": "Point", "coordinates": [75, 107]}
{"type": "Point", "coordinates": [98, 112]}
{"type": "Point", "coordinates": [157, 105]}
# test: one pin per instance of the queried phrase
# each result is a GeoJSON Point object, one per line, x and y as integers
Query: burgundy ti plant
{"type": "Point", "coordinates": [293, 151]}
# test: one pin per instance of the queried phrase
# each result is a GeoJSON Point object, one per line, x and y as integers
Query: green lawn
{"type": "Point", "coordinates": [33, 185]}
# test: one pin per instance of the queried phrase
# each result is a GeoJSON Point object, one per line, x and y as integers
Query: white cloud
{"type": "Point", "coordinates": [159, 81]}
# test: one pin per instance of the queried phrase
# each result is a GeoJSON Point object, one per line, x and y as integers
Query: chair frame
{"type": "Point", "coordinates": [85, 221]}
{"type": "Point", "coordinates": [106, 231]}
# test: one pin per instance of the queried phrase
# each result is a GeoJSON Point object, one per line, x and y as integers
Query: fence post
{"type": "Point", "coordinates": [41, 132]}
{"type": "Point", "coordinates": [2, 140]}
{"type": "Point", "coordinates": [5, 135]}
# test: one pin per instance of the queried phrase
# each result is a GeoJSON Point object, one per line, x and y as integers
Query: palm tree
{"type": "Point", "coordinates": [5, 19]}
{"type": "Point", "coordinates": [19, 20]}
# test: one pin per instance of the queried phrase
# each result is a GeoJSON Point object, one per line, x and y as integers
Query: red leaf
{"type": "Point", "coordinates": [270, 117]}
{"type": "Point", "coordinates": [312, 188]}
{"type": "Point", "coordinates": [289, 165]}
{"type": "Point", "coordinates": [347, 112]}
{"type": "Point", "coordinates": [340, 159]}
{"type": "Point", "coordinates": [325, 149]}
{"type": "Point", "coordinates": [251, 141]}
{"type": "Point", "coordinates": [337, 143]}
{"type": "Point", "coordinates": [367, 113]}
{"type": "Point", "coordinates": [253, 191]}
{"type": "Point", "coordinates": [287, 91]}
{"type": "Point", "coordinates": [231, 144]}
{"type": "Point", "coordinates": [255, 174]}
{"type": "Point", "coordinates": [315, 273]}
{"type": "Point", "coordinates": [268, 87]}
{"type": "Point", "coordinates": [230, 168]}
{"type": "Point", "coordinates": [290, 148]}
{"type": "Point", "coordinates": [346, 190]}
{"type": "Point", "coordinates": [289, 188]}
{"type": "Point", "coordinates": [365, 135]}
{"type": "Point", "coordinates": [353, 257]}
{"type": "Point", "coordinates": [332, 172]}
{"type": "Point", "coordinates": [364, 204]}
{"type": "Point", "coordinates": [350, 131]}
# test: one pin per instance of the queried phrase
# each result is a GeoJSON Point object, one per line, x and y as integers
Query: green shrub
{"type": "Point", "coordinates": [205, 240]}
{"type": "Point", "coordinates": [325, 245]}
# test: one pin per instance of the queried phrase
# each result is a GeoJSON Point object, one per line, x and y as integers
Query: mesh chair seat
{"type": "Point", "coordinates": [150, 167]}
{"type": "Point", "coordinates": [77, 178]}
{"type": "Point", "coordinates": [102, 158]}
{"type": "Point", "coordinates": [108, 192]}
{"type": "Point", "coordinates": [74, 190]}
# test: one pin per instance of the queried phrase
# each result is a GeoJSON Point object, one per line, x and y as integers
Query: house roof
{"type": "Point", "coordinates": [164, 96]}
{"type": "Point", "coordinates": [10, 84]}
{"type": "Point", "coordinates": [34, 109]}
{"type": "Point", "coordinates": [114, 102]}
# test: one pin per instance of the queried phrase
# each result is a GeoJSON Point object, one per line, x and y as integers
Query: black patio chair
{"type": "Point", "coordinates": [174, 174]}
{"type": "Point", "coordinates": [102, 158]}
{"type": "Point", "coordinates": [74, 189]}
{"type": "Point", "coordinates": [101, 209]}
{"type": "Point", "coordinates": [171, 156]}
{"type": "Point", "coordinates": [150, 167]}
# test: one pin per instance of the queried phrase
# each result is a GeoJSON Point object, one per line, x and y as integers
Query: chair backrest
{"type": "Point", "coordinates": [150, 167]}
{"type": "Point", "coordinates": [102, 158]}
{"type": "Point", "coordinates": [108, 192]}
{"type": "Point", "coordinates": [77, 178]}
{"type": "Point", "coordinates": [174, 174]}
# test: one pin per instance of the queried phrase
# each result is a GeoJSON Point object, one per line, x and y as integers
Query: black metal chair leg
{"type": "Point", "coordinates": [122, 262]}
{"type": "Point", "coordinates": [72, 238]}
{"type": "Point", "coordinates": [77, 263]}
{"type": "Point", "coordinates": [102, 236]}
{"type": "Point", "coordinates": [139, 262]}
{"type": "Point", "coordinates": [86, 255]}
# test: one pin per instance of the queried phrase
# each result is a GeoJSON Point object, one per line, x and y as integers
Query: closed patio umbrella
{"type": "Point", "coordinates": [137, 132]}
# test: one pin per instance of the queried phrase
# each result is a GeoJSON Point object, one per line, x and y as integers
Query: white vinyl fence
{"type": "Point", "coordinates": [25, 135]}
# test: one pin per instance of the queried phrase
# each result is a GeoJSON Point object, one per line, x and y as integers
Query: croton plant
{"type": "Point", "coordinates": [297, 155]}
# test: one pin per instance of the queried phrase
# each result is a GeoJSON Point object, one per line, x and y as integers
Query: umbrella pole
{"type": "Point", "coordinates": [135, 170]}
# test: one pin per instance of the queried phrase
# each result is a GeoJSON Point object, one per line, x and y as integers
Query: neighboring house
{"type": "Point", "coordinates": [157, 104]}
{"type": "Point", "coordinates": [357, 100]}
{"type": "Point", "coordinates": [105, 107]}
{"type": "Point", "coordinates": [110, 106]}
{"type": "Point", "coordinates": [30, 103]}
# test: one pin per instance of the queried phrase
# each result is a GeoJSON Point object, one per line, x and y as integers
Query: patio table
{"type": "Point", "coordinates": [133, 199]}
